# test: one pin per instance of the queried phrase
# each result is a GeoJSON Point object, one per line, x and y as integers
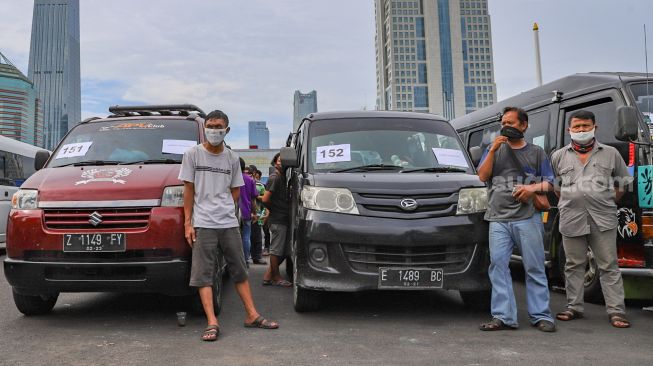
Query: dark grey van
{"type": "Point", "coordinates": [623, 106]}
{"type": "Point", "coordinates": [384, 200]}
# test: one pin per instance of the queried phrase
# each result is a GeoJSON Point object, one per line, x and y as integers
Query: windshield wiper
{"type": "Point", "coordinates": [368, 167]}
{"type": "Point", "coordinates": [91, 162]}
{"type": "Point", "coordinates": [436, 169]}
{"type": "Point", "coordinates": [153, 161]}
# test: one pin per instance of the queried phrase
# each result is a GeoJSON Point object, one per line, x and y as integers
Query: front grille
{"type": "Point", "coordinates": [433, 204]}
{"type": "Point", "coordinates": [369, 258]}
{"type": "Point", "coordinates": [149, 255]}
{"type": "Point", "coordinates": [116, 218]}
{"type": "Point", "coordinates": [420, 209]}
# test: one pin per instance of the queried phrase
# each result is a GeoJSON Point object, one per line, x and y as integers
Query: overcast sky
{"type": "Point", "coordinates": [247, 57]}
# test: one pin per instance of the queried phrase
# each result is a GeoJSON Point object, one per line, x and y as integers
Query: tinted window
{"type": "Point", "coordinates": [483, 138]}
{"type": "Point", "coordinates": [538, 129]}
{"type": "Point", "coordinates": [127, 141]}
{"type": "Point", "coordinates": [14, 168]}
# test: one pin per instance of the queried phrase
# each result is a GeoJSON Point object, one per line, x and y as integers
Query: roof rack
{"type": "Point", "coordinates": [155, 110]}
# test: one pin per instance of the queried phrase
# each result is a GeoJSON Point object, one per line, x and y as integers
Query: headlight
{"type": "Point", "coordinates": [173, 197]}
{"type": "Point", "coordinates": [329, 199]}
{"type": "Point", "coordinates": [471, 200]}
{"type": "Point", "coordinates": [25, 199]}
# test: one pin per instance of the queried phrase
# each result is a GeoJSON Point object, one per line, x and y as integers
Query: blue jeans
{"type": "Point", "coordinates": [527, 235]}
{"type": "Point", "coordinates": [246, 233]}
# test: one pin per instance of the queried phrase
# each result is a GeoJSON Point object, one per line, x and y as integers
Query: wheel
{"type": "Point", "coordinates": [217, 287]}
{"type": "Point", "coordinates": [305, 300]}
{"type": "Point", "coordinates": [477, 300]}
{"type": "Point", "coordinates": [592, 283]}
{"type": "Point", "coordinates": [34, 305]}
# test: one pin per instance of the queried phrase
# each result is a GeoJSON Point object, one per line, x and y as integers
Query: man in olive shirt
{"type": "Point", "coordinates": [592, 178]}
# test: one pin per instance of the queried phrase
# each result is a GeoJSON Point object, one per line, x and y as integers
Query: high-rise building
{"type": "Point", "coordinates": [259, 135]}
{"type": "Point", "coordinates": [304, 104]}
{"type": "Point", "coordinates": [20, 112]}
{"type": "Point", "coordinates": [54, 65]}
{"type": "Point", "coordinates": [434, 56]}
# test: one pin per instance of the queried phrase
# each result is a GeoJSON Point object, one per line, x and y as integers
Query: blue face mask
{"type": "Point", "coordinates": [215, 136]}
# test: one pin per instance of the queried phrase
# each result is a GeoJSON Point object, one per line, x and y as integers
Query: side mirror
{"type": "Point", "coordinates": [41, 158]}
{"type": "Point", "coordinates": [627, 127]}
{"type": "Point", "coordinates": [289, 157]}
{"type": "Point", "coordinates": [476, 153]}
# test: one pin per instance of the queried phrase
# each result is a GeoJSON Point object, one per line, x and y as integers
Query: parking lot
{"type": "Point", "coordinates": [378, 328]}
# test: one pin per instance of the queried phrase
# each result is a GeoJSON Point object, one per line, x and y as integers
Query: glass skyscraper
{"type": "Point", "coordinates": [259, 135]}
{"type": "Point", "coordinates": [54, 65]}
{"type": "Point", "coordinates": [304, 104]}
{"type": "Point", "coordinates": [434, 56]}
{"type": "Point", "coordinates": [21, 117]}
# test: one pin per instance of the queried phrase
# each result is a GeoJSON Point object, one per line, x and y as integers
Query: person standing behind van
{"type": "Point", "coordinates": [276, 199]}
{"type": "Point", "coordinates": [589, 173]}
{"type": "Point", "coordinates": [514, 221]}
{"type": "Point", "coordinates": [247, 204]}
{"type": "Point", "coordinates": [212, 179]}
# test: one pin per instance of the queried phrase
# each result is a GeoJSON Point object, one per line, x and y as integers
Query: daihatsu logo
{"type": "Point", "coordinates": [95, 218]}
{"type": "Point", "coordinates": [408, 204]}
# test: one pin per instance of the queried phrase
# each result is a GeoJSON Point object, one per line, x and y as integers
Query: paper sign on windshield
{"type": "Point", "coordinates": [450, 157]}
{"type": "Point", "coordinates": [333, 153]}
{"type": "Point", "coordinates": [73, 150]}
{"type": "Point", "coordinates": [177, 146]}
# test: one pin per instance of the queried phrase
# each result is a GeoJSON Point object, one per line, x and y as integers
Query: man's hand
{"type": "Point", "coordinates": [497, 143]}
{"type": "Point", "coordinates": [524, 194]}
{"type": "Point", "coordinates": [189, 233]}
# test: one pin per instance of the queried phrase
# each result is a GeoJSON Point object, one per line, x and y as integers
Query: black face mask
{"type": "Point", "coordinates": [512, 133]}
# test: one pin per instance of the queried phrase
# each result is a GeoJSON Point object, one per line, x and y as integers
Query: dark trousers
{"type": "Point", "coordinates": [257, 241]}
{"type": "Point", "coordinates": [266, 233]}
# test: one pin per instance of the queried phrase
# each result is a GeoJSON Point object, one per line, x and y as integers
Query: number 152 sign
{"type": "Point", "coordinates": [333, 153]}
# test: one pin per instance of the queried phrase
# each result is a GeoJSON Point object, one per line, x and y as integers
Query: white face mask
{"type": "Point", "coordinates": [582, 137]}
{"type": "Point", "coordinates": [215, 136]}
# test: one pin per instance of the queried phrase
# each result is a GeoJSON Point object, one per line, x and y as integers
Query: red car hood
{"type": "Point", "coordinates": [102, 183]}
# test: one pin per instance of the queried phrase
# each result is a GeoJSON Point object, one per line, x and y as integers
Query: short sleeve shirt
{"type": "Point", "coordinates": [502, 206]}
{"type": "Point", "coordinates": [213, 176]}
{"type": "Point", "coordinates": [589, 190]}
{"type": "Point", "coordinates": [279, 206]}
{"type": "Point", "coordinates": [248, 193]}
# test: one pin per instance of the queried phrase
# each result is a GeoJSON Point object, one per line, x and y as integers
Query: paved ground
{"type": "Point", "coordinates": [382, 328]}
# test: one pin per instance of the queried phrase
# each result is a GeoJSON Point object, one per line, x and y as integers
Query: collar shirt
{"type": "Point", "coordinates": [589, 190]}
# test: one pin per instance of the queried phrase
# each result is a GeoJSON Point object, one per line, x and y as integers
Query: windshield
{"type": "Point", "coordinates": [384, 144]}
{"type": "Point", "coordinates": [116, 142]}
{"type": "Point", "coordinates": [644, 100]}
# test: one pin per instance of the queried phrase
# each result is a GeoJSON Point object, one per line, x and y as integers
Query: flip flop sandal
{"type": "Point", "coordinates": [619, 318]}
{"type": "Point", "coordinates": [569, 314]}
{"type": "Point", "coordinates": [282, 283]}
{"type": "Point", "coordinates": [262, 323]}
{"type": "Point", "coordinates": [267, 282]}
{"type": "Point", "coordinates": [545, 326]}
{"type": "Point", "coordinates": [495, 324]}
{"type": "Point", "coordinates": [211, 333]}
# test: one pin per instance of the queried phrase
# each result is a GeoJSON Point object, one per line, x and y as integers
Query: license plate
{"type": "Point", "coordinates": [104, 242]}
{"type": "Point", "coordinates": [410, 278]}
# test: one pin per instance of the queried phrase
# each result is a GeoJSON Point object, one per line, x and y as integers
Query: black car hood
{"type": "Point", "coordinates": [394, 181]}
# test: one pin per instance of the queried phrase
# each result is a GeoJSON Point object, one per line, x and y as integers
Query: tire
{"type": "Point", "coordinates": [477, 300]}
{"type": "Point", "coordinates": [217, 287]}
{"type": "Point", "coordinates": [592, 283]}
{"type": "Point", "coordinates": [34, 305]}
{"type": "Point", "coordinates": [305, 300]}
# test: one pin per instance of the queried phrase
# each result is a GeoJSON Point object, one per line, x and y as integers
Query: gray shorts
{"type": "Point", "coordinates": [209, 244]}
{"type": "Point", "coordinates": [279, 244]}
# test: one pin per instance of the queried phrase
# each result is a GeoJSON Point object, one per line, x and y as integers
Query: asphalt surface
{"type": "Point", "coordinates": [374, 328]}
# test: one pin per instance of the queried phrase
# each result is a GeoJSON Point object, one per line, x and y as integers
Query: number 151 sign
{"type": "Point", "coordinates": [333, 153]}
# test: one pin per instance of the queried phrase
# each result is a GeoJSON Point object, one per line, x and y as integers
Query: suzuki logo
{"type": "Point", "coordinates": [95, 218]}
{"type": "Point", "coordinates": [408, 204]}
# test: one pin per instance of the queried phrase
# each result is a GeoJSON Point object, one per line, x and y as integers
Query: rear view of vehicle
{"type": "Point", "coordinates": [384, 200]}
{"type": "Point", "coordinates": [105, 212]}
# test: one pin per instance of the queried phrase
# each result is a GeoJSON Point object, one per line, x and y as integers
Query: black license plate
{"type": "Point", "coordinates": [410, 278]}
{"type": "Point", "coordinates": [104, 242]}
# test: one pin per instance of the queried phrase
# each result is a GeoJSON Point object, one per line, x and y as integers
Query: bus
{"type": "Point", "coordinates": [16, 165]}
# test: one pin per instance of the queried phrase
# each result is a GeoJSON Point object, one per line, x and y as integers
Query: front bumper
{"type": "Point", "coordinates": [36, 278]}
{"type": "Point", "coordinates": [356, 246]}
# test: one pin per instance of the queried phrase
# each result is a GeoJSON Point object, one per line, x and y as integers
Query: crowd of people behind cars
{"type": "Point", "coordinates": [587, 176]}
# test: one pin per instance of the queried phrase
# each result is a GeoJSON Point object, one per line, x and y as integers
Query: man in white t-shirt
{"type": "Point", "coordinates": [212, 179]}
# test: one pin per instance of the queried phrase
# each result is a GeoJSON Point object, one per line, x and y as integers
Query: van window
{"type": "Point", "coordinates": [406, 143]}
{"type": "Point", "coordinates": [538, 129]}
{"type": "Point", "coordinates": [125, 141]}
{"type": "Point", "coordinates": [483, 138]}
{"type": "Point", "coordinates": [605, 112]}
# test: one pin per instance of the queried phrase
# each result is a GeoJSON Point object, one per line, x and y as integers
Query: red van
{"type": "Point", "coordinates": [104, 212]}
